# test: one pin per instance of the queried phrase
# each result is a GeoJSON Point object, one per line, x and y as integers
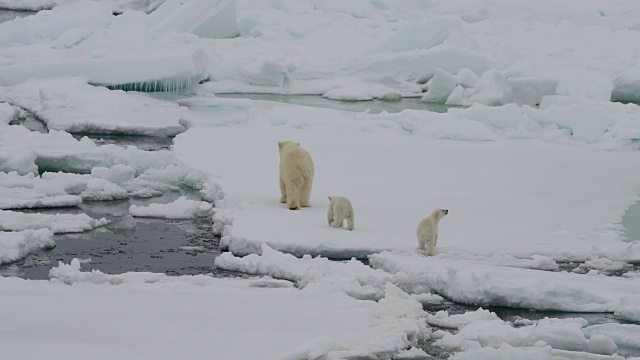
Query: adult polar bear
{"type": "Point", "coordinates": [296, 175]}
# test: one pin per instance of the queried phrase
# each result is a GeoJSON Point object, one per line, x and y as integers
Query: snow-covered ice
{"type": "Point", "coordinates": [70, 104]}
{"type": "Point", "coordinates": [540, 168]}
{"type": "Point", "coordinates": [17, 245]}
{"type": "Point", "coordinates": [30, 152]}
{"type": "Point", "coordinates": [624, 335]}
{"type": "Point", "coordinates": [352, 277]}
{"type": "Point", "coordinates": [84, 38]}
{"type": "Point", "coordinates": [181, 208]}
{"type": "Point", "coordinates": [297, 324]}
{"type": "Point", "coordinates": [508, 197]}
{"type": "Point", "coordinates": [464, 281]}
{"type": "Point", "coordinates": [58, 223]}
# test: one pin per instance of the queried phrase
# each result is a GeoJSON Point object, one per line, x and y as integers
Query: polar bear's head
{"type": "Point", "coordinates": [285, 144]}
{"type": "Point", "coordinates": [439, 213]}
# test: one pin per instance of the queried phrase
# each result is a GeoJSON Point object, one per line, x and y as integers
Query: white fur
{"type": "Point", "coordinates": [428, 231]}
{"type": "Point", "coordinates": [339, 210]}
{"type": "Point", "coordinates": [296, 175]}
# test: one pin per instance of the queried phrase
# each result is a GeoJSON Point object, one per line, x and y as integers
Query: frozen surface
{"type": "Point", "coordinates": [527, 186]}
{"type": "Point", "coordinates": [333, 48]}
{"type": "Point", "coordinates": [18, 245]}
{"type": "Point", "coordinates": [338, 326]}
{"type": "Point", "coordinates": [464, 281]}
{"type": "Point", "coordinates": [58, 223]}
{"type": "Point", "coordinates": [510, 198]}
{"type": "Point", "coordinates": [629, 307]}
{"type": "Point", "coordinates": [84, 38]}
{"type": "Point", "coordinates": [486, 336]}
{"type": "Point", "coordinates": [24, 151]}
{"type": "Point", "coordinates": [118, 5]}
{"type": "Point", "coordinates": [205, 18]}
{"type": "Point", "coordinates": [70, 104]}
{"type": "Point", "coordinates": [181, 208]}
{"type": "Point", "coordinates": [580, 45]}
{"type": "Point", "coordinates": [353, 277]}
{"type": "Point", "coordinates": [625, 335]}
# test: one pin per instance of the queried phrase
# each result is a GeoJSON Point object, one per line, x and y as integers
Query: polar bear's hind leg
{"type": "Point", "coordinates": [305, 192]}
{"type": "Point", "coordinates": [293, 197]}
{"type": "Point", "coordinates": [283, 192]}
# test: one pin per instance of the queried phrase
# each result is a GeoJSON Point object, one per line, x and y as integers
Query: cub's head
{"type": "Point", "coordinates": [286, 144]}
{"type": "Point", "coordinates": [440, 213]}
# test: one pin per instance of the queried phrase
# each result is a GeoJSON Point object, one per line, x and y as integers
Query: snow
{"type": "Point", "coordinates": [181, 208]}
{"type": "Point", "coordinates": [486, 284]}
{"type": "Point", "coordinates": [24, 198]}
{"type": "Point", "coordinates": [70, 104]}
{"type": "Point", "coordinates": [624, 335]}
{"type": "Point", "coordinates": [29, 152]}
{"type": "Point", "coordinates": [603, 264]}
{"type": "Point", "coordinates": [545, 338]}
{"type": "Point", "coordinates": [538, 168]}
{"type": "Point", "coordinates": [335, 325]}
{"type": "Point", "coordinates": [58, 223]}
{"type": "Point", "coordinates": [352, 277]}
{"type": "Point", "coordinates": [7, 113]}
{"type": "Point", "coordinates": [530, 185]}
{"type": "Point", "coordinates": [629, 308]}
{"type": "Point", "coordinates": [507, 352]}
{"type": "Point", "coordinates": [108, 50]}
{"type": "Point", "coordinates": [413, 353]}
{"type": "Point", "coordinates": [15, 246]}
{"type": "Point", "coordinates": [197, 17]}
{"type": "Point", "coordinates": [458, 321]}
{"type": "Point", "coordinates": [601, 344]}
{"type": "Point", "coordinates": [529, 91]}
{"type": "Point", "coordinates": [118, 5]}
{"type": "Point", "coordinates": [361, 92]}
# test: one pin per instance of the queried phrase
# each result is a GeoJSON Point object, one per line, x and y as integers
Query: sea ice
{"type": "Point", "coordinates": [341, 326]}
{"type": "Point", "coordinates": [625, 335]}
{"type": "Point", "coordinates": [467, 282]}
{"type": "Point", "coordinates": [528, 91]}
{"type": "Point", "coordinates": [182, 208]}
{"type": "Point", "coordinates": [58, 223]}
{"type": "Point", "coordinates": [70, 104]}
{"type": "Point", "coordinates": [542, 180]}
{"type": "Point", "coordinates": [110, 50]}
{"type": "Point", "coordinates": [17, 245]}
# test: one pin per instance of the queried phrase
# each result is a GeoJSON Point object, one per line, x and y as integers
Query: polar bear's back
{"type": "Point", "coordinates": [295, 162]}
{"type": "Point", "coordinates": [427, 228]}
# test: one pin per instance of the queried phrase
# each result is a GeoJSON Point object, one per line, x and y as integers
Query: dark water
{"type": "Point", "coordinates": [32, 123]}
{"type": "Point", "coordinates": [172, 247]}
{"type": "Point", "coordinates": [147, 143]}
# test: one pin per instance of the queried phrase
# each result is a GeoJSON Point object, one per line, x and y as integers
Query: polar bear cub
{"type": "Point", "coordinates": [339, 210]}
{"type": "Point", "coordinates": [296, 175]}
{"type": "Point", "coordinates": [428, 230]}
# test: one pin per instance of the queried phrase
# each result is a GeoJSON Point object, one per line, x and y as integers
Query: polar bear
{"type": "Point", "coordinates": [296, 175]}
{"type": "Point", "coordinates": [339, 210]}
{"type": "Point", "coordinates": [428, 230]}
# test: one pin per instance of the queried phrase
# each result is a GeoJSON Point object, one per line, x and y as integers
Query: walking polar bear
{"type": "Point", "coordinates": [296, 175]}
{"type": "Point", "coordinates": [428, 230]}
{"type": "Point", "coordinates": [339, 210]}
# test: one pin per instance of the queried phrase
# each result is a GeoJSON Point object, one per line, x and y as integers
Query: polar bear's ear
{"type": "Point", "coordinates": [329, 198]}
{"type": "Point", "coordinates": [298, 144]}
{"type": "Point", "coordinates": [279, 144]}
